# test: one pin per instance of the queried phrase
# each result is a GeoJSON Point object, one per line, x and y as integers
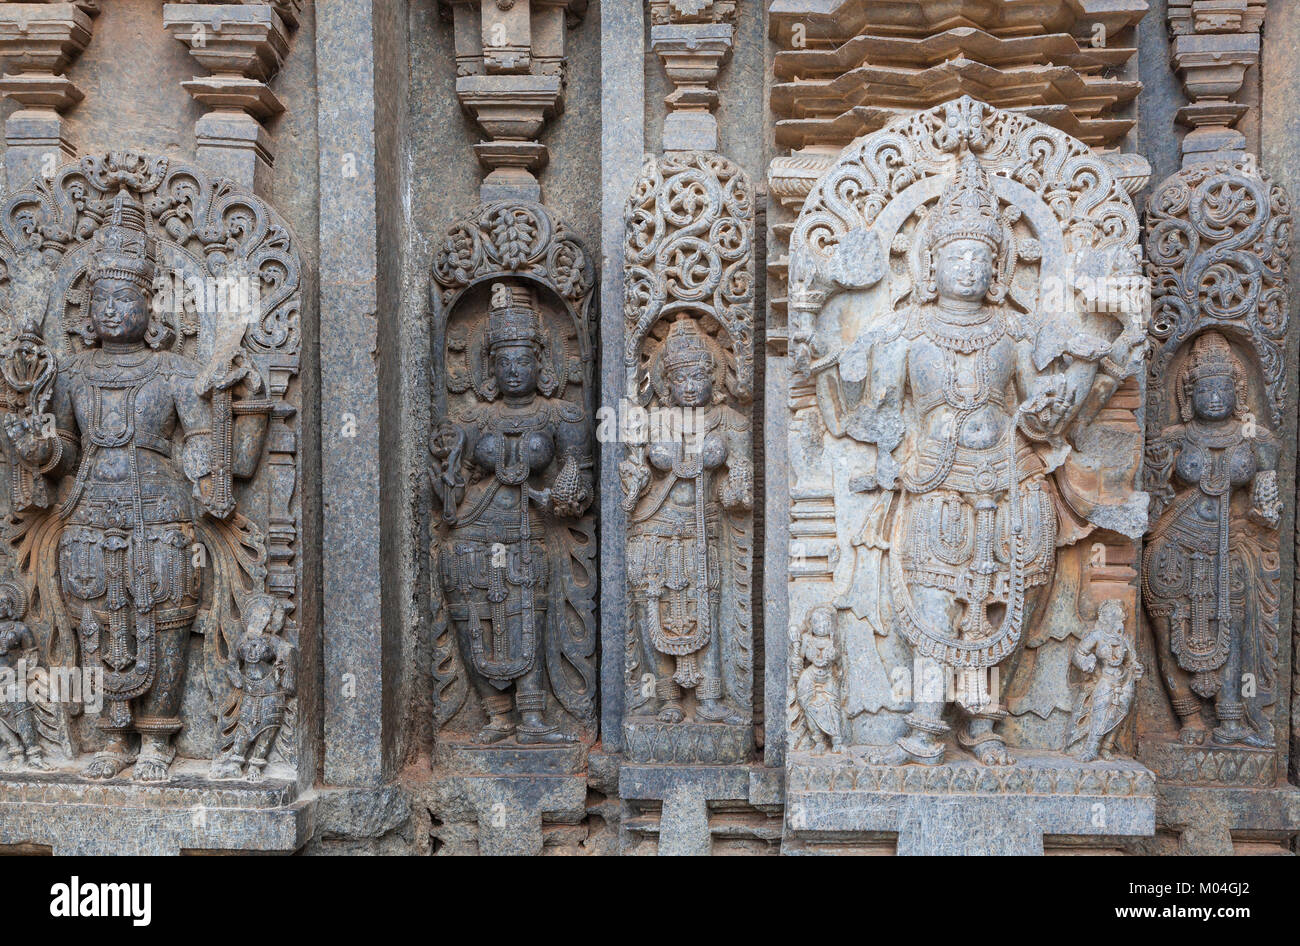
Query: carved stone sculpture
{"type": "Point", "coordinates": [512, 475]}
{"type": "Point", "coordinates": [1219, 242]}
{"type": "Point", "coordinates": [688, 483]}
{"type": "Point", "coordinates": [265, 678]}
{"type": "Point", "coordinates": [1108, 656]}
{"type": "Point", "coordinates": [965, 302]}
{"type": "Point", "coordinates": [18, 655]}
{"type": "Point", "coordinates": [126, 552]}
{"type": "Point", "coordinates": [816, 690]}
{"type": "Point", "coordinates": [946, 305]}
{"type": "Point", "coordinates": [135, 414]}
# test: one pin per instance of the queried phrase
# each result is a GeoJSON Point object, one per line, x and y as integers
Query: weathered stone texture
{"type": "Point", "coordinates": [677, 651]}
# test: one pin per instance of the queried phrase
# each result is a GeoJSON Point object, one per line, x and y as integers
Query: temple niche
{"type": "Point", "coordinates": [688, 480]}
{"type": "Point", "coordinates": [150, 484]}
{"type": "Point", "coordinates": [511, 466]}
{"type": "Point", "coordinates": [1218, 241]}
{"type": "Point", "coordinates": [964, 334]}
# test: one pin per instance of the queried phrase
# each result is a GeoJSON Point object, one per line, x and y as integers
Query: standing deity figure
{"type": "Point", "coordinates": [18, 654]}
{"type": "Point", "coordinates": [1213, 479]}
{"type": "Point", "coordinates": [970, 516]}
{"type": "Point", "coordinates": [816, 689]}
{"type": "Point", "coordinates": [263, 673]}
{"type": "Point", "coordinates": [1110, 658]}
{"type": "Point", "coordinates": [149, 441]}
{"type": "Point", "coordinates": [677, 494]}
{"type": "Point", "coordinates": [505, 472]}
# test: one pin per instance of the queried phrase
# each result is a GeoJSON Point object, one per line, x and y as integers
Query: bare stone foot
{"type": "Point", "coordinates": [716, 711]}
{"type": "Point", "coordinates": [895, 754]}
{"type": "Point", "coordinates": [150, 770]}
{"type": "Point", "coordinates": [105, 765]}
{"type": "Point", "coordinates": [556, 737]}
{"type": "Point", "coordinates": [225, 770]}
{"type": "Point", "coordinates": [993, 753]}
{"type": "Point", "coordinates": [492, 733]}
{"type": "Point", "coordinates": [671, 713]}
{"type": "Point", "coordinates": [1234, 733]}
{"type": "Point", "coordinates": [1193, 733]}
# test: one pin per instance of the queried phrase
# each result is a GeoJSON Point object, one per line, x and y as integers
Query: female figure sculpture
{"type": "Point", "coordinates": [678, 495]}
{"type": "Point", "coordinates": [1109, 657]}
{"type": "Point", "coordinates": [1215, 508]}
{"type": "Point", "coordinates": [506, 474]}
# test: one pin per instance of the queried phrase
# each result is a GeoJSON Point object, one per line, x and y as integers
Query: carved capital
{"type": "Point", "coordinates": [510, 67]}
{"type": "Point", "coordinates": [243, 46]}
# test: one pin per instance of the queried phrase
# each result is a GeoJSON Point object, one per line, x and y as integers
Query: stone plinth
{"type": "Point", "coordinates": [692, 743]}
{"type": "Point", "coordinates": [961, 807]}
{"type": "Point", "coordinates": [119, 816]}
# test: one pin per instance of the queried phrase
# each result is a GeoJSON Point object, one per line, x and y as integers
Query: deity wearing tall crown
{"type": "Point", "coordinates": [510, 470]}
{"type": "Point", "coordinates": [1211, 552]}
{"type": "Point", "coordinates": [967, 429]}
{"type": "Point", "coordinates": [141, 444]}
{"type": "Point", "coordinates": [686, 494]}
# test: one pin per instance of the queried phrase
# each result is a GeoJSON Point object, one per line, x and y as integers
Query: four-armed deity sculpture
{"type": "Point", "coordinates": [147, 373]}
{"type": "Point", "coordinates": [127, 565]}
{"type": "Point", "coordinates": [958, 357]}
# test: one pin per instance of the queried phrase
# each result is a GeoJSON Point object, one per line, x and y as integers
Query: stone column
{"type": "Point", "coordinates": [622, 147]}
{"type": "Point", "coordinates": [358, 256]}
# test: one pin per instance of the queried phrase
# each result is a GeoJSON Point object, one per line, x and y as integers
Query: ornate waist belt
{"type": "Point", "coordinates": [976, 470]}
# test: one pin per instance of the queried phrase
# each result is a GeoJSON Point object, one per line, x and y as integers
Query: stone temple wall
{"type": "Point", "coordinates": [679, 427]}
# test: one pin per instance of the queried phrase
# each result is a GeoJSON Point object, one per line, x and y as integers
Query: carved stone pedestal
{"type": "Point", "coordinates": [508, 758]}
{"type": "Point", "coordinates": [691, 743]}
{"type": "Point", "coordinates": [514, 791]}
{"type": "Point", "coordinates": [119, 816]}
{"type": "Point", "coordinates": [1205, 819]}
{"type": "Point", "coordinates": [1209, 765]}
{"type": "Point", "coordinates": [961, 807]}
{"type": "Point", "coordinates": [687, 794]}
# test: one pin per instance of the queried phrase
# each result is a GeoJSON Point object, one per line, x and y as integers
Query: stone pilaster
{"type": "Point", "coordinates": [510, 76]}
{"type": "Point", "coordinates": [38, 41]}
{"type": "Point", "coordinates": [243, 47]}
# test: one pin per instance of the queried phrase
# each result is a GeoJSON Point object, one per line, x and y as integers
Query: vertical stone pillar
{"type": "Point", "coordinates": [39, 41]}
{"type": "Point", "coordinates": [243, 46]}
{"type": "Point", "coordinates": [358, 254]}
{"type": "Point", "coordinates": [622, 148]}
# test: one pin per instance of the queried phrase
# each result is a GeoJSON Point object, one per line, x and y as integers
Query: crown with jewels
{"type": "Point", "coordinates": [967, 209]}
{"type": "Point", "coordinates": [124, 249]}
{"type": "Point", "coordinates": [512, 317]}
{"type": "Point", "coordinates": [685, 345]}
{"type": "Point", "coordinates": [1211, 357]}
